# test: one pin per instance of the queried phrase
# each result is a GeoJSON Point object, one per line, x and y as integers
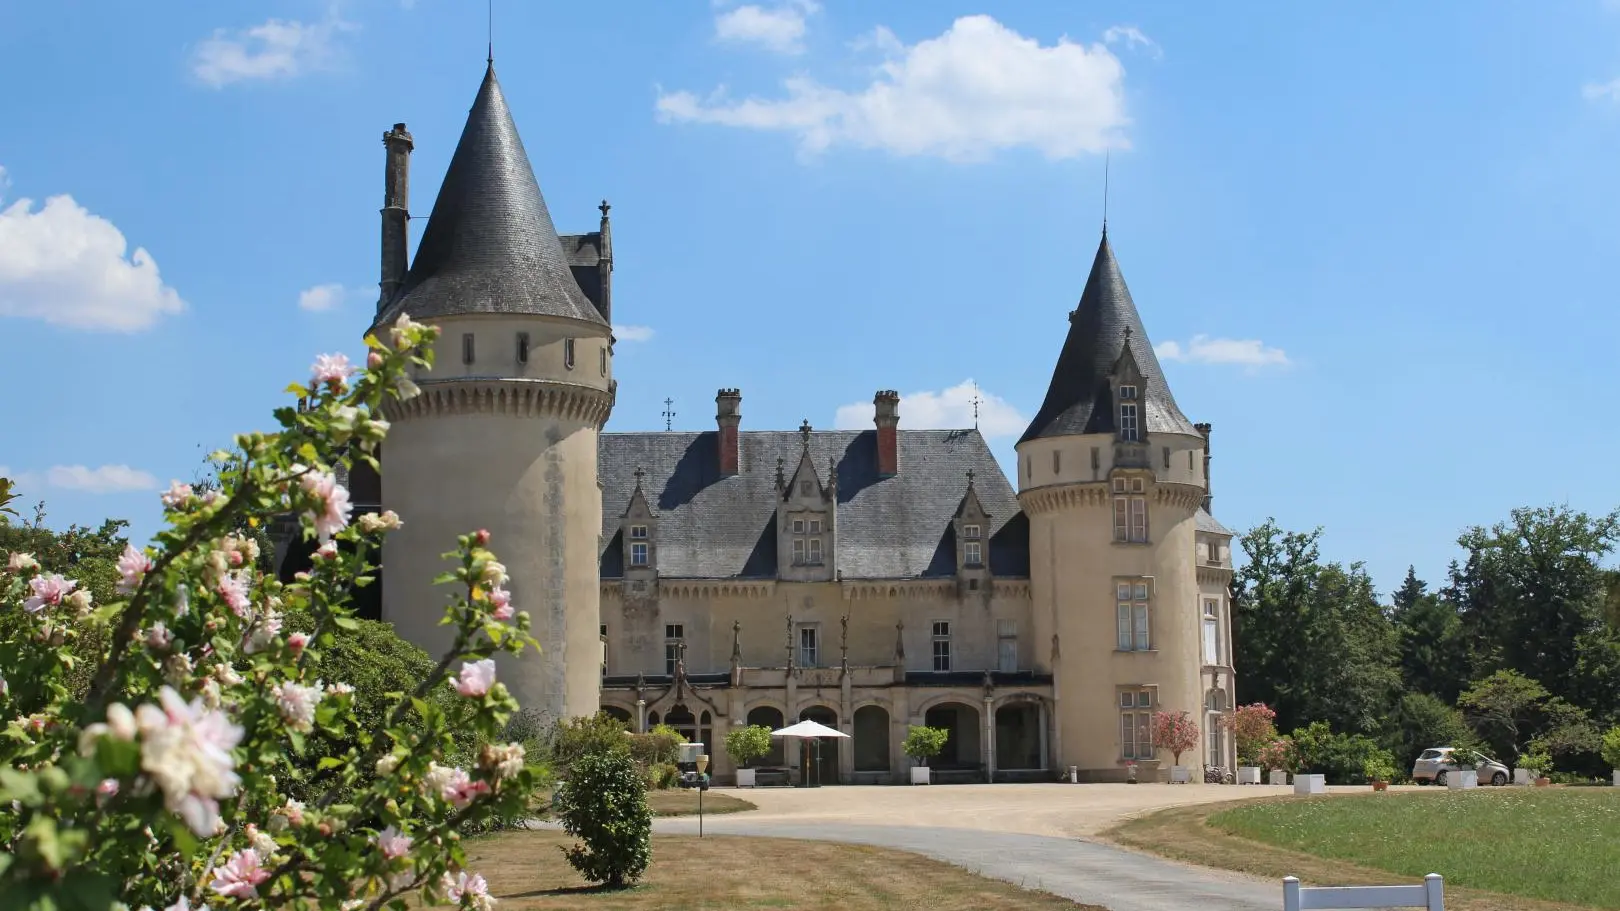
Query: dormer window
{"type": "Point", "coordinates": [1129, 427]}
{"type": "Point", "coordinates": [568, 353]}
{"type": "Point", "coordinates": [808, 545]}
{"type": "Point", "coordinates": [970, 531]}
{"type": "Point", "coordinates": [638, 532]}
{"type": "Point", "coordinates": [523, 347]}
{"type": "Point", "coordinates": [638, 553]}
{"type": "Point", "coordinates": [973, 553]}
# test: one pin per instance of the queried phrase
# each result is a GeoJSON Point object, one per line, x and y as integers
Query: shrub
{"type": "Point", "coordinates": [1176, 732]}
{"type": "Point", "coordinates": [1252, 726]}
{"type": "Point", "coordinates": [1379, 767]}
{"type": "Point", "coordinates": [924, 743]}
{"type": "Point", "coordinates": [1611, 747]}
{"type": "Point", "coordinates": [1339, 757]}
{"type": "Point", "coordinates": [572, 738]}
{"type": "Point", "coordinates": [1279, 754]}
{"type": "Point", "coordinates": [1536, 758]}
{"type": "Point", "coordinates": [744, 745]}
{"type": "Point", "coordinates": [604, 804]}
{"type": "Point", "coordinates": [662, 776]}
{"type": "Point", "coordinates": [658, 745]}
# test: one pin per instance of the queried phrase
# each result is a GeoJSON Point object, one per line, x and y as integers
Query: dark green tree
{"type": "Point", "coordinates": [1433, 656]}
{"type": "Point", "coordinates": [1422, 721]}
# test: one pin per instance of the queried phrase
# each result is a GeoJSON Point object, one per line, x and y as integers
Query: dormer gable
{"type": "Point", "coordinates": [639, 534]}
{"type": "Point", "coordinates": [806, 514]}
{"type": "Point", "coordinates": [1128, 385]}
{"type": "Point", "coordinates": [970, 526]}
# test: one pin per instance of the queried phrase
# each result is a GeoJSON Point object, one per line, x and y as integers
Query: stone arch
{"type": "Point", "coordinates": [1019, 740]}
{"type": "Point", "coordinates": [768, 714]}
{"type": "Point", "coordinates": [872, 735]}
{"type": "Point", "coordinates": [621, 713]}
{"type": "Point", "coordinates": [822, 767]}
{"type": "Point", "coordinates": [962, 719]}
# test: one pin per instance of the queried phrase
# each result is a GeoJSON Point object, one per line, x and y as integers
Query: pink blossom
{"type": "Point", "coordinates": [240, 876]}
{"type": "Point", "coordinates": [331, 369]}
{"type": "Point", "coordinates": [263, 632]}
{"type": "Point", "coordinates": [374, 360]}
{"type": "Point", "coordinates": [177, 495]}
{"type": "Point", "coordinates": [21, 562]}
{"type": "Point", "coordinates": [502, 600]}
{"type": "Point", "coordinates": [297, 703]}
{"type": "Point", "coordinates": [333, 515]}
{"type": "Point", "coordinates": [297, 641]}
{"type": "Point", "coordinates": [393, 843]}
{"type": "Point", "coordinates": [48, 592]}
{"type": "Point", "coordinates": [107, 789]}
{"type": "Point", "coordinates": [186, 749]}
{"type": "Point", "coordinates": [476, 678]}
{"type": "Point", "coordinates": [327, 551]}
{"type": "Point", "coordinates": [132, 566]}
{"type": "Point", "coordinates": [158, 637]}
{"type": "Point", "coordinates": [294, 811]}
{"type": "Point", "coordinates": [472, 888]}
{"type": "Point", "coordinates": [453, 785]}
{"type": "Point", "coordinates": [234, 589]}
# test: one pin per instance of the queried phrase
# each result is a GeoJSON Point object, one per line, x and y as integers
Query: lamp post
{"type": "Point", "coordinates": [694, 764]}
{"type": "Point", "coordinates": [702, 766]}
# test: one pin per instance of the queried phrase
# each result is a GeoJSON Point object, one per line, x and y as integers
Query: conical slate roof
{"type": "Point", "coordinates": [1080, 399]}
{"type": "Point", "coordinates": [490, 246]}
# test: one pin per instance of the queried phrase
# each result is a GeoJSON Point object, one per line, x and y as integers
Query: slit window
{"type": "Point", "coordinates": [523, 347]}
{"type": "Point", "coordinates": [467, 348]}
{"type": "Point", "coordinates": [568, 353]}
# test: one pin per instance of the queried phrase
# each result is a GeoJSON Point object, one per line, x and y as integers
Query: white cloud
{"type": "Point", "coordinates": [974, 90]}
{"type": "Point", "coordinates": [1596, 91]}
{"type": "Point", "coordinates": [274, 49]}
{"type": "Point", "coordinates": [779, 29]}
{"type": "Point", "coordinates": [63, 265]}
{"type": "Point", "coordinates": [1133, 38]}
{"type": "Point", "coordinates": [632, 333]}
{"type": "Point", "coordinates": [106, 479]}
{"type": "Point", "coordinates": [1222, 351]}
{"type": "Point", "coordinates": [947, 409]}
{"type": "Point", "coordinates": [326, 297]}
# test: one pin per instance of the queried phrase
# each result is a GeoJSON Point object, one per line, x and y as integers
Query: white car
{"type": "Point", "coordinates": [1432, 766]}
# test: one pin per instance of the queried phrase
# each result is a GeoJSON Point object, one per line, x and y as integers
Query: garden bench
{"type": "Point", "coordinates": [1429, 895]}
{"type": "Point", "coordinates": [771, 778]}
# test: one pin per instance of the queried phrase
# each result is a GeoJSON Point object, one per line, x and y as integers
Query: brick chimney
{"type": "Point", "coordinates": [728, 414]}
{"type": "Point", "coordinates": [1209, 490]}
{"type": "Point", "coordinates": [396, 213]}
{"type": "Point", "coordinates": [886, 415]}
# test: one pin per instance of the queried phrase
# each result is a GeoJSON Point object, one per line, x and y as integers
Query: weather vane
{"type": "Point", "coordinates": [976, 402]}
{"type": "Point", "coordinates": [669, 413]}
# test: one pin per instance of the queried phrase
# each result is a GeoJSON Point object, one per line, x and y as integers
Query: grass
{"type": "Point", "coordinates": [527, 871]}
{"type": "Point", "coordinates": [1504, 850]}
{"type": "Point", "coordinates": [684, 802]}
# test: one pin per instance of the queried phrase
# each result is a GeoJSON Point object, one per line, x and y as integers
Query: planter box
{"type": "Point", "coordinates": [1248, 774]}
{"type": "Point", "coordinates": [1180, 774]}
{"type": "Point", "coordinates": [1523, 776]}
{"type": "Point", "coordinates": [1462, 779]}
{"type": "Point", "coordinates": [1617, 778]}
{"type": "Point", "coordinates": [920, 774]}
{"type": "Point", "coordinates": [1310, 784]}
{"type": "Point", "coordinates": [1278, 776]}
{"type": "Point", "coordinates": [745, 778]}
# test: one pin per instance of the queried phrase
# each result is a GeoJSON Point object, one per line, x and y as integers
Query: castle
{"type": "Point", "coordinates": [869, 580]}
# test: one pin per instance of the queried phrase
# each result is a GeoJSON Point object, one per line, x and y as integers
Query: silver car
{"type": "Point", "coordinates": [1432, 766]}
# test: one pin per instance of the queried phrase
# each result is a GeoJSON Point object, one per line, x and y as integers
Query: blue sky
{"type": "Point", "coordinates": [1380, 238]}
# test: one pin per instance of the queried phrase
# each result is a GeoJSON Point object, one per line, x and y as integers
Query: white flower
{"type": "Point", "coordinates": [260, 840]}
{"type": "Point", "coordinates": [333, 514]}
{"type": "Point", "coordinates": [494, 574]}
{"type": "Point", "coordinates": [176, 495]}
{"type": "Point", "coordinates": [340, 689]}
{"type": "Point", "coordinates": [393, 843]}
{"type": "Point", "coordinates": [476, 678]}
{"type": "Point", "coordinates": [297, 702]}
{"type": "Point", "coordinates": [505, 761]}
{"type": "Point", "coordinates": [19, 562]}
{"type": "Point", "coordinates": [472, 890]}
{"type": "Point", "coordinates": [158, 637]}
{"type": "Point", "coordinates": [132, 567]}
{"type": "Point", "coordinates": [265, 630]}
{"type": "Point", "coordinates": [186, 749]}
{"type": "Point", "coordinates": [396, 334]}
{"type": "Point", "coordinates": [386, 765]}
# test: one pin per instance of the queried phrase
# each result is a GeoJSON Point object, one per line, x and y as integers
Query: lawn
{"type": "Point", "coordinates": [1553, 845]}
{"type": "Point", "coordinates": [526, 870]}
{"type": "Point", "coordinates": [684, 802]}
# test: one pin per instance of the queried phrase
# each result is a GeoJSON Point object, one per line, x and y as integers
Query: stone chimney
{"type": "Point", "coordinates": [886, 415]}
{"type": "Point", "coordinates": [728, 414]}
{"type": "Point", "coordinates": [396, 213]}
{"type": "Point", "coordinates": [1209, 495]}
{"type": "Point", "coordinates": [604, 264]}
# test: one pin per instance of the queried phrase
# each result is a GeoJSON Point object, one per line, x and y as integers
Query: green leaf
{"type": "Point", "coordinates": [329, 762]}
{"type": "Point", "coordinates": [348, 623]}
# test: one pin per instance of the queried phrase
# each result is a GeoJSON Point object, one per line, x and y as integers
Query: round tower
{"type": "Point", "coordinates": [504, 433]}
{"type": "Point", "coordinates": [1109, 475]}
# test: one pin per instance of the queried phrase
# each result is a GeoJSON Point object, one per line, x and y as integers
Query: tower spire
{"type": "Point", "coordinates": [490, 18]}
{"type": "Point", "coordinates": [1106, 156]}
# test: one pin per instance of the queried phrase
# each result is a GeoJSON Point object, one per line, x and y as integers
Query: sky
{"type": "Point", "coordinates": [1373, 244]}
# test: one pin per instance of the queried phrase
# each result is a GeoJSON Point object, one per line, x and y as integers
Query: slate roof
{"type": "Point", "coordinates": [713, 527]}
{"type": "Point", "coordinates": [1080, 398]}
{"type": "Point", "coordinates": [1208, 523]}
{"type": "Point", "coordinates": [490, 246]}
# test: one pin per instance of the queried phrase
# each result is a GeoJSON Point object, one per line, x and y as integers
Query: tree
{"type": "Point", "coordinates": [924, 743]}
{"type": "Point", "coordinates": [1611, 747]}
{"type": "Point", "coordinates": [1422, 721]}
{"type": "Point", "coordinates": [1176, 732]}
{"type": "Point", "coordinates": [603, 803]}
{"type": "Point", "coordinates": [746, 744]}
{"type": "Point", "coordinates": [1252, 726]}
{"type": "Point", "coordinates": [572, 738]}
{"type": "Point", "coordinates": [1432, 653]}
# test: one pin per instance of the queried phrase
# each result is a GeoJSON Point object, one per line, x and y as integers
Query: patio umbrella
{"type": "Point", "coordinates": [806, 731]}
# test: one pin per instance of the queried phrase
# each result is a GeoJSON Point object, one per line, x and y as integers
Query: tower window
{"type": "Point", "coordinates": [467, 348]}
{"type": "Point", "coordinates": [1133, 621]}
{"type": "Point", "coordinates": [523, 347]}
{"type": "Point", "coordinates": [568, 353]}
{"type": "Point", "coordinates": [1128, 429]}
{"type": "Point", "coordinates": [970, 531]}
{"type": "Point", "coordinates": [1127, 393]}
{"type": "Point", "coordinates": [942, 646]}
{"type": "Point", "coordinates": [601, 357]}
{"type": "Point", "coordinates": [1130, 511]}
{"type": "Point", "coordinates": [1212, 631]}
{"type": "Point", "coordinates": [1136, 724]}
{"type": "Point", "coordinates": [638, 532]}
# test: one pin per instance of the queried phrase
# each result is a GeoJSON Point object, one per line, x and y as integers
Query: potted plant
{"type": "Point", "coordinates": [922, 744]}
{"type": "Point", "coordinates": [1253, 727]}
{"type": "Point", "coordinates": [744, 745]}
{"type": "Point", "coordinates": [1611, 752]}
{"type": "Point", "coordinates": [1278, 758]}
{"type": "Point", "coordinates": [1130, 772]}
{"type": "Point", "coordinates": [1465, 771]}
{"type": "Point", "coordinates": [1178, 733]}
{"type": "Point", "coordinates": [1379, 769]}
{"type": "Point", "coordinates": [1538, 762]}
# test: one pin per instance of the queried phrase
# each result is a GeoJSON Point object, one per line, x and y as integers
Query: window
{"type": "Point", "coordinates": [1130, 510]}
{"type": "Point", "coordinates": [814, 553]}
{"type": "Point", "coordinates": [1136, 724]}
{"type": "Point", "coordinates": [813, 526]}
{"type": "Point", "coordinates": [674, 639]}
{"type": "Point", "coordinates": [467, 348]}
{"type": "Point", "coordinates": [1133, 626]}
{"type": "Point", "coordinates": [1167, 458]}
{"type": "Point", "coordinates": [1127, 393]}
{"type": "Point", "coordinates": [638, 532]}
{"type": "Point", "coordinates": [601, 356]}
{"type": "Point", "coordinates": [970, 531]}
{"type": "Point", "coordinates": [798, 526]}
{"type": "Point", "coordinates": [808, 652]}
{"type": "Point", "coordinates": [798, 551]}
{"type": "Point", "coordinates": [1215, 708]}
{"type": "Point", "coordinates": [638, 553]}
{"type": "Point", "coordinates": [1212, 632]}
{"type": "Point", "coordinates": [807, 550]}
{"type": "Point", "coordinates": [523, 347]}
{"type": "Point", "coordinates": [603, 634]}
{"type": "Point", "coordinates": [1007, 646]}
{"type": "Point", "coordinates": [972, 553]}
{"type": "Point", "coordinates": [942, 645]}
{"type": "Point", "coordinates": [568, 353]}
{"type": "Point", "coordinates": [1127, 423]}
{"type": "Point", "coordinates": [1057, 461]}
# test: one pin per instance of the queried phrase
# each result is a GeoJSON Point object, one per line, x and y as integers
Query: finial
{"type": "Point", "coordinates": [976, 402]}
{"type": "Point", "coordinates": [804, 431]}
{"type": "Point", "coordinates": [1106, 156]}
{"type": "Point", "coordinates": [639, 475]}
{"type": "Point", "coordinates": [603, 208]}
{"type": "Point", "coordinates": [1128, 333]}
{"type": "Point", "coordinates": [781, 478]}
{"type": "Point", "coordinates": [970, 477]}
{"type": "Point", "coordinates": [490, 59]}
{"type": "Point", "coordinates": [669, 413]}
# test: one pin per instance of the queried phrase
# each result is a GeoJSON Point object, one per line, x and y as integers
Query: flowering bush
{"type": "Point", "coordinates": [1252, 726]}
{"type": "Point", "coordinates": [164, 784]}
{"type": "Point", "coordinates": [1176, 732]}
{"type": "Point", "coordinates": [1278, 755]}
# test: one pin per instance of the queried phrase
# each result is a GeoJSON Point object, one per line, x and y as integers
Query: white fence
{"type": "Point", "coordinates": [1430, 895]}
